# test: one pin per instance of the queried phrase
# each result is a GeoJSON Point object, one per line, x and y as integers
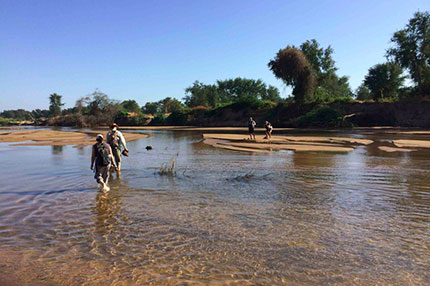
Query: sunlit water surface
{"type": "Point", "coordinates": [225, 218]}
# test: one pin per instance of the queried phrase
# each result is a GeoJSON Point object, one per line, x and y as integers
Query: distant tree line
{"type": "Point", "coordinates": [309, 69]}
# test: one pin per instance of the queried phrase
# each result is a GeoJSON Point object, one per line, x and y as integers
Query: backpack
{"type": "Point", "coordinates": [113, 139]}
{"type": "Point", "coordinates": [102, 154]}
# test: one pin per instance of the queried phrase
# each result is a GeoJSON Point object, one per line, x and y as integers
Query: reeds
{"type": "Point", "coordinates": [168, 170]}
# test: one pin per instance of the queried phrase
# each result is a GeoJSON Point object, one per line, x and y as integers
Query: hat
{"type": "Point", "coordinates": [114, 125]}
{"type": "Point", "coordinates": [99, 137]}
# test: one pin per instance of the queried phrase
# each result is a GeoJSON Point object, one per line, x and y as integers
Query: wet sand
{"type": "Point", "coordinates": [57, 138]}
{"type": "Point", "coordinates": [240, 142]}
{"type": "Point", "coordinates": [393, 149]}
{"type": "Point", "coordinates": [412, 143]}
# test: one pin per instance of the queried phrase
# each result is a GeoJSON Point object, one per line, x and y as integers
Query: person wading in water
{"type": "Point", "coordinates": [117, 142]}
{"type": "Point", "coordinates": [103, 158]}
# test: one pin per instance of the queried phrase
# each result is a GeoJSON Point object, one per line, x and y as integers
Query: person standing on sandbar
{"type": "Point", "coordinates": [117, 142]}
{"type": "Point", "coordinates": [251, 128]}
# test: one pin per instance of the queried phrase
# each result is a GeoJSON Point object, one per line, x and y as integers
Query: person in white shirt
{"type": "Point", "coordinates": [117, 142]}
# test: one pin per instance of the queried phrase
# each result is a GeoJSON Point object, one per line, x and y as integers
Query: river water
{"type": "Point", "coordinates": [224, 218]}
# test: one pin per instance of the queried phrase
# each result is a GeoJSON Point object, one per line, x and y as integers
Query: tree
{"type": "Point", "coordinates": [362, 92]}
{"type": "Point", "coordinates": [229, 91]}
{"type": "Point", "coordinates": [412, 50]}
{"type": "Point", "coordinates": [55, 104]}
{"type": "Point", "coordinates": [200, 94]}
{"type": "Point", "coordinates": [131, 106]}
{"type": "Point", "coordinates": [272, 94]}
{"type": "Point", "coordinates": [292, 66]}
{"type": "Point", "coordinates": [171, 105]}
{"type": "Point", "coordinates": [384, 80]}
{"type": "Point", "coordinates": [320, 59]}
{"type": "Point", "coordinates": [98, 108]}
{"type": "Point", "coordinates": [328, 82]}
{"type": "Point", "coordinates": [151, 108]}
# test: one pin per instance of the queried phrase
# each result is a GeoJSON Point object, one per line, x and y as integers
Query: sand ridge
{"type": "Point", "coordinates": [240, 142]}
{"type": "Point", "coordinates": [58, 138]}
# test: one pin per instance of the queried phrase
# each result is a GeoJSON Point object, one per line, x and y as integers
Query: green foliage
{"type": "Point", "coordinates": [384, 80]}
{"type": "Point", "coordinates": [322, 116]}
{"type": "Point", "coordinates": [177, 118]}
{"type": "Point", "coordinates": [97, 109]}
{"type": "Point", "coordinates": [4, 121]}
{"type": "Point", "coordinates": [18, 114]}
{"type": "Point", "coordinates": [324, 67]}
{"type": "Point", "coordinates": [159, 119]}
{"type": "Point", "coordinates": [55, 104]}
{"type": "Point", "coordinates": [151, 108]}
{"type": "Point", "coordinates": [131, 106]}
{"type": "Point", "coordinates": [225, 92]}
{"type": "Point", "coordinates": [363, 92]}
{"type": "Point", "coordinates": [292, 66]}
{"type": "Point", "coordinates": [171, 105]}
{"type": "Point", "coordinates": [252, 103]}
{"type": "Point", "coordinates": [200, 94]}
{"type": "Point", "coordinates": [320, 59]}
{"type": "Point", "coordinates": [412, 50]}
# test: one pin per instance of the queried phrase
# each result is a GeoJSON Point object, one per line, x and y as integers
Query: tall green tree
{"type": "Point", "coordinates": [384, 80]}
{"type": "Point", "coordinates": [55, 104]}
{"type": "Point", "coordinates": [130, 105]}
{"type": "Point", "coordinates": [292, 66]}
{"type": "Point", "coordinates": [362, 92]}
{"type": "Point", "coordinates": [412, 50]}
{"type": "Point", "coordinates": [323, 64]}
{"type": "Point", "coordinates": [171, 105]}
{"type": "Point", "coordinates": [151, 108]}
{"type": "Point", "coordinates": [200, 94]}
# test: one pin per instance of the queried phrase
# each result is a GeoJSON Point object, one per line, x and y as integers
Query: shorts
{"type": "Point", "coordinates": [251, 129]}
{"type": "Point", "coordinates": [102, 172]}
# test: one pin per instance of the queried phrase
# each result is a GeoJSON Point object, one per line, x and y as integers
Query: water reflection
{"type": "Point", "coordinates": [57, 149]}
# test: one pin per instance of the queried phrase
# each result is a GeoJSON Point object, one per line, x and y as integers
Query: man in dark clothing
{"type": "Point", "coordinates": [103, 158]}
{"type": "Point", "coordinates": [251, 128]}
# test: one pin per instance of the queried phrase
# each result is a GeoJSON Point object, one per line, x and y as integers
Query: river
{"type": "Point", "coordinates": [223, 218]}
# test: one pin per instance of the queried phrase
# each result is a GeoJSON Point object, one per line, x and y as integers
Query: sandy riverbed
{"type": "Point", "coordinates": [57, 138]}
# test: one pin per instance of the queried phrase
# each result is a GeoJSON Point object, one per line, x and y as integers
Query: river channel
{"type": "Point", "coordinates": [221, 218]}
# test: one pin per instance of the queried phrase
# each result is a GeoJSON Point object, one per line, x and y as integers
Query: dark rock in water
{"type": "Point", "coordinates": [148, 147]}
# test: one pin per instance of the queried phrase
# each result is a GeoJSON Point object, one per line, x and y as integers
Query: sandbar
{"type": "Point", "coordinates": [401, 143]}
{"type": "Point", "coordinates": [394, 149]}
{"type": "Point", "coordinates": [57, 138]}
{"type": "Point", "coordinates": [240, 142]}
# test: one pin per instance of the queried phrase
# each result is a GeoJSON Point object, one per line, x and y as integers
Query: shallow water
{"type": "Point", "coordinates": [225, 218]}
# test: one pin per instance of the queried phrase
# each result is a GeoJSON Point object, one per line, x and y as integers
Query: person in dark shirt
{"type": "Point", "coordinates": [103, 158]}
{"type": "Point", "coordinates": [251, 128]}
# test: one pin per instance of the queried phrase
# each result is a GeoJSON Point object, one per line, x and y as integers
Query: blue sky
{"type": "Point", "coordinates": [148, 50]}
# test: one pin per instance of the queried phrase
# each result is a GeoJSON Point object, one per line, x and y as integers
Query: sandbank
{"type": "Point", "coordinates": [240, 142]}
{"type": "Point", "coordinates": [401, 143]}
{"type": "Point", "coordinates": [57, 138]}
{"type": "Point", "coordinates": [394, 149]}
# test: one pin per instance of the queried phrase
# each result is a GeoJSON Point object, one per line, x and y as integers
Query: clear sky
{"type": "Point", "coordinates": [148, 50]}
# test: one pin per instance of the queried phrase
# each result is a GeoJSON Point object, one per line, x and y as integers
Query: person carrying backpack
{"type": "Point", "coordinates": [103, 158]}
{"type": "Point", "coordinates": [117, 142]}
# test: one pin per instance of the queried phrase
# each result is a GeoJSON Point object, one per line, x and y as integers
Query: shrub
{"type": "Point", "coordinates": [4, 121]}
{"type": "Point", "coordinates": [322, 116]}
{"type": "Point", "coordinates": [177, 118]}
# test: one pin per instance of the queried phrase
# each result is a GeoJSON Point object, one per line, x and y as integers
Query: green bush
{"type": "Point", "coordinates": [322, 116]}
{"type": "Point", "coordinates": [4, 121]}
{"type": "Point", "coordinates": [177, 118]}
{"type": "Point", "coordinates": [159, 119]}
